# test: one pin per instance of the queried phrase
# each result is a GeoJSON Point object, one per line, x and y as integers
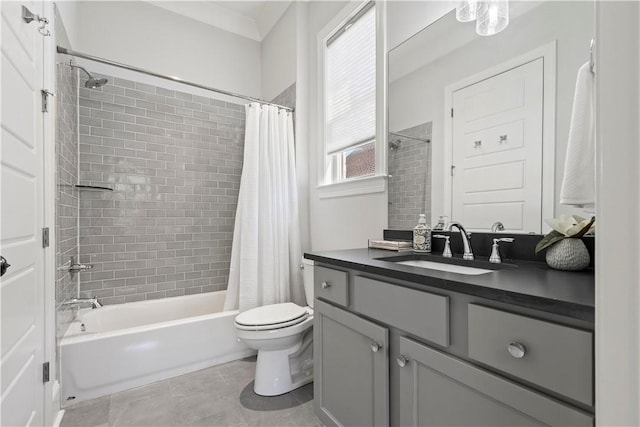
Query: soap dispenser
{"type": "Point", "coordinates": [422, 235]}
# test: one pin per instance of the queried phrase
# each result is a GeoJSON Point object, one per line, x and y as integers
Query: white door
{"type": "Point", "coordinates": [21, 219]}
{"type": "Point", "coordinates": [497, 151]}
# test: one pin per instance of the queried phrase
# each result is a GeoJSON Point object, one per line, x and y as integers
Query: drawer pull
{"type": "Point", "coordinates": [402, 361]}
{"type": "Point", "coordinates": [375, 346]}
{"type": "Point", "coordinates": [326, 285]}
{"type": "Point", "coordinates": [517, 350]}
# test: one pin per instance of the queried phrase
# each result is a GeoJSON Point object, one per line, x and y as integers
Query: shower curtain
{"type": "Point", "coordinates": [266, 252]}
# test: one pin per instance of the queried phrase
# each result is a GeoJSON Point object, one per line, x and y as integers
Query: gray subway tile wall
{"type": "Point", "coordinates": [66, 228]}
{"type": "Point", "coordinates": [287, 97]}
{"type": "Point", "coordinates": [174, 162]}
{"type": "Point", "coordinates": [410, 183]}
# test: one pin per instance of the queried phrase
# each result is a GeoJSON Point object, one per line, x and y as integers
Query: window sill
{"type": "Point", "coordinates": [371, 184]}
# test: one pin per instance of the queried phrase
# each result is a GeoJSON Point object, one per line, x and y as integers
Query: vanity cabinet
{"type": "Point", "coordinates": [351, 368]}
{"type": "Point", "coordinates": [440, 390]}
{"type": "Point", "coordinates": [393, 354]}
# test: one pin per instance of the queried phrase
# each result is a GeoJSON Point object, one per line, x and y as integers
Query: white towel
{"type": "Point", "coordinates": [579, 181]}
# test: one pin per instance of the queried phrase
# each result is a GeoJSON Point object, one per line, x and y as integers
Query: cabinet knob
{"type": "Point", "coordinates": [326, 285]}
{"type": "Point", "coordinates": [517, 350]}
{"type": "Point", "coordinates": [375, 346]}
{"type": "Point", "coordinates": [402, 361]}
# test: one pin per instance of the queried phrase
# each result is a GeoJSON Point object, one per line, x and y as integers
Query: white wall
{"type": "Point", "coordinates": [68, 13]}
{"type": "Point", "coordinates": [302, 122]}
{"type": "Point", "coordinates": [617, 334]}
{"type": "Point", "coordinates": [279, 56]}
{"type": "Point", "coordinates": [140, 34]}
{"type": "Point", "coordinates": [406, 18]}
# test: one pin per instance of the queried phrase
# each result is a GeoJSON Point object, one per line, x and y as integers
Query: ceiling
{"type": "Point", "coordinates": [251, 19]}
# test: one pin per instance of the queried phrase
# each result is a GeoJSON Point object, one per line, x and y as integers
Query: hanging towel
{"type": "Point", "coordinates": [579, 181]}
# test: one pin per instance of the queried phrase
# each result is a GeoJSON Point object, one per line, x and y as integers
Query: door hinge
{"type": "Point", "coordinates": [45, 99]}
{"type": "Point", "coordinates": [45, 237]}
{"type": "Point", "coordinates": [452, 112]}
{"type": "Point", "coordinates": [453, 168]}
{"type": "Point", "coordinates": [45, 372]}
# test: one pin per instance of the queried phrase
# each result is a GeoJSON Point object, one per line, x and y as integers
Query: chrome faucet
{"type": "Point", "coordinates": [468, 252]}
{"type": "Point", "coordinates": [74, 268]}
{"type": "Point", "coordinates": [95, 302]}
{"type": "Point", "coordinates": [497, 226]}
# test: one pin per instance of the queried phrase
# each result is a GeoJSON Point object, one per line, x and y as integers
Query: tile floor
{"type": "Point", "coordinates": [218, 396]}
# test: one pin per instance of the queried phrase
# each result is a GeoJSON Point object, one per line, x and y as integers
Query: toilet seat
{"type": "Point", "coordinates": [274, 316]}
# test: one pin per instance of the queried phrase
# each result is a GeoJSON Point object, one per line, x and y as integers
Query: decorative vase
{"type": "Point", "coordinates": [568, 254]}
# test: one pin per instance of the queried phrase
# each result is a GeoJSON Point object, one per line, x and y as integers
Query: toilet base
{"type": "Point", "coordinates": [280, 371]}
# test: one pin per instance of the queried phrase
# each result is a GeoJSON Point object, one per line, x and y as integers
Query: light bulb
{"type": "Point", "coordinates": [493, 18]}
{"type": "Point", "coordinates": [468, 10]}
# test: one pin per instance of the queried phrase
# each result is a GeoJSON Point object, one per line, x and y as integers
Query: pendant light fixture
{"type": "Point", "coordinates": [467, 10]}
{"type": "Point", "coordinates": [495, 17]}
{"type": "Point", "coordinates": [491, 16]}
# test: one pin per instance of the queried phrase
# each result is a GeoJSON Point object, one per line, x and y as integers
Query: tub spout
{"type": "Point", "coordinates": [74, 268]}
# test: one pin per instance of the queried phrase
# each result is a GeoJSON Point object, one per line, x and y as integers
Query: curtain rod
{"type": "Point", "coordinates": [66, 51]}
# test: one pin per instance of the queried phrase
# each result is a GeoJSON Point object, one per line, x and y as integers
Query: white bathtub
{"type": "Point", "coordinates": [129, 345]}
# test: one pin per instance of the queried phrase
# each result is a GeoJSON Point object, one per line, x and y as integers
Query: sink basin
{"type": "Point", "coordinates": [451, 268]}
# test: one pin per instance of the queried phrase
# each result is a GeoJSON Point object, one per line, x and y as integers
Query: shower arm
{"type": "Point", "coordinates": [72, 65]}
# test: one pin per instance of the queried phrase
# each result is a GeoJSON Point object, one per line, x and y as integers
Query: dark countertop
{"type": "Point", "coordinates": [528, 284]}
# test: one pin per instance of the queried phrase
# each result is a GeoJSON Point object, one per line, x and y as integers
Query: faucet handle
{"type": "Point", "coordinates": [96, 303]}
{"type": "Point", "coordinates": [495, 251]}
{"type": "Point", "coordinates": [504, 239]}
{"type": "Point", "coordinates": [447, 245]}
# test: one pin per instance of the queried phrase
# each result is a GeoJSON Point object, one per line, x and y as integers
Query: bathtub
{"type": "Point", "coordinates": [118, 347]}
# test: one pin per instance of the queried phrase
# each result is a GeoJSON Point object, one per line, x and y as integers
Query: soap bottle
{"type": "Point", "coordinates": [422, 235]}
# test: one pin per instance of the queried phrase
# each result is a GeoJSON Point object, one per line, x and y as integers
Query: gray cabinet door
{"type": "Point", "coordinates": [439, 390]}
{"type": "Point", "coordinates": [351, 368]}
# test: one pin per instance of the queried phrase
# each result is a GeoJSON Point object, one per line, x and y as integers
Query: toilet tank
{"type": "Point", "coordinates": [307, 265]}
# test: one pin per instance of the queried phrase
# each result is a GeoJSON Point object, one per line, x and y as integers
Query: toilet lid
{"type": "Point", "coordinates": [272, 316]}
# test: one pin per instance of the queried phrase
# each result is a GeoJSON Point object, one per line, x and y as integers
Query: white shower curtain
{"type": "Point", "coordinates": [266, 252]}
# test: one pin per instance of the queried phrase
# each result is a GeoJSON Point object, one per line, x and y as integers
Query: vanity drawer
{"type": "Point", "coordinates": [331, 285]}
{"type": "Point", "coordinates": [556, 357]}
{"type": "Point", "coordinates": [419, 313]}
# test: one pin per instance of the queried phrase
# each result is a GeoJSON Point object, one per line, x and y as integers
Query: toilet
{"type": "Point", "coordinates": [283, 335]}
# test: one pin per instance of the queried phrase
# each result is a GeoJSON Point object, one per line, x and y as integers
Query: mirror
{"type": "Point", "coordinates": [500, 157]}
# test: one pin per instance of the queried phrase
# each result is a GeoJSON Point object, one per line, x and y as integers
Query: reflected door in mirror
{"type": "Point", "coordinates": [497, 150]}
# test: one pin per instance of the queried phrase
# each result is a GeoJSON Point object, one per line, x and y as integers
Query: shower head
{"type": "Point", "coordinates": [92, 82]}
{"type": "Point", "coordinates": [394, 145]}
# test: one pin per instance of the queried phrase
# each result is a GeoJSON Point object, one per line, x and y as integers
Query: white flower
{"type": "Point", "coordinates": [569, 225]}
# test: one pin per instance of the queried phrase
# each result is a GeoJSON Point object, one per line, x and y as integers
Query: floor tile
{"type": "Point", "coordinates": [150, 405]}
{"type": "Point", "coordinates": [223, 419]}
{"type": "Point", "coordinates": [218, 396]}
{"type": "Point", "coordinates": [205, 381]}
{"type": "Point", "coordinates": [91, 413]}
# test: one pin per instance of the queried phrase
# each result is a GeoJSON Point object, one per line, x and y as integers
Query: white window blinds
{"type": "Point", "coordinates": [351, 83]}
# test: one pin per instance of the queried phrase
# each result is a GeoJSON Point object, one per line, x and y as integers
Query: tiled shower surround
{"type": "Point", "coordinates": [410, 183]}
{"type": "Point", "coordinates": [174, 162]}
{"type": "Point", "coordinates": [287, 97]}
{"type": "Point", "coordinates": [66, 194]}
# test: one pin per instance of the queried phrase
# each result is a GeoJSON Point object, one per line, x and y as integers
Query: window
{"type": "Point", "coordinates": [350, 98]}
